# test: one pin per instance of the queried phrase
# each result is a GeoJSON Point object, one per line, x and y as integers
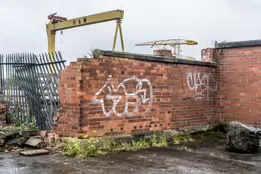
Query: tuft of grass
{"type": "Point", "coordinates": [177, 139]}
{"type": "Point", "coordinates": [138, 145]}
{"type": "Point", "coordinates": [162, 142]}
{"type": "Point", "coordinates": [88, 149]}
{"type": "Point", "coordinates": [71, 148]}
{"type": "Point", "coordinates": [190, 139]}
{"type": "Point", "coordinates": [186, 149]}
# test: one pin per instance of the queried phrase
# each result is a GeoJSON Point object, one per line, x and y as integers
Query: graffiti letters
{"type": "Point", "coordinates": [202, 85]}
{"type": "Point", "coordinates": [141, 95]}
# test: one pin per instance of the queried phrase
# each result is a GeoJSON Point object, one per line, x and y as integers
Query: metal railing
{"type": "Point", "coordinates": [30, 84]}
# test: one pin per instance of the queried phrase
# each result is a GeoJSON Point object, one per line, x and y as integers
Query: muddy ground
{"type": "Point", "coordinates": [205, 156]}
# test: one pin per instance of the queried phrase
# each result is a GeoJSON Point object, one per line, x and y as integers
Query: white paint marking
{"type": "Point", "coordinates": [140, 96]}
{"type": "Point", "coordinates": [200, 85]}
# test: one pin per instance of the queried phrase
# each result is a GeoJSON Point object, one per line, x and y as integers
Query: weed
{"type": "Point", "coordinates": [142, 144]}
{"type": "Point", "coordinates": [186, 149]}
{"type": "Point", "coordinates": [154, 140]}
{"type": "Point", "coordinates": [72, 148]}
{"type": "Point", "coordinates": [93, 54]}
{"type": "Point", "coordinates": [190, 139]}
{"type": "Point", "coordinates": [125, 147]}
{"type": "Point", "coordinates": [159, 141]}
{"type": "Point", "coordinates": [177, 139]}
{"type": "Point", "coordinates": [57, 142]}
{"type": "Point", "coordinates": [14, 118]}
{"type": "Point", "coordinates": [163, 142]}
{"type": "Point", "coordinates": [88, 149]}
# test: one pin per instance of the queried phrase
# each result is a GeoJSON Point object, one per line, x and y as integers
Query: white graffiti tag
{"type": "Point", "coordinates": [201, 85]}
{"type": "Point", "coordinates": [141, 95]}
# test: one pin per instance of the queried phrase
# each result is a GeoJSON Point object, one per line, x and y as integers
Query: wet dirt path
{"type": "Point", "coordinates": [207, 156]}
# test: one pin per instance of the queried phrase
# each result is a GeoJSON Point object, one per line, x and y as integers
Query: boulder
{"type": "Point", "coordinates": [242, 138]}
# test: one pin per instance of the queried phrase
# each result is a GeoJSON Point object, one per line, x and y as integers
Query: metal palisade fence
{"type": "Point", "coordinates": [30, 84]}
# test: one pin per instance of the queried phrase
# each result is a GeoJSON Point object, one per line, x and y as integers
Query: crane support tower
{"type": "Point", "coordinates": [58, 23]}
{"type": "Point", "coordinates": [174, 43]}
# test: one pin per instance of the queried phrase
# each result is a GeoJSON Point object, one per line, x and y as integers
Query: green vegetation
{"type": "Point", "coordinates": [94, 147]}
{"type": "Point", "coordinates": [28, 124]}
{"type": "Point", "coordinates": [177, 139]}
{"type": "Point", "coordinates": [90, 147]}
{"type": "Point", "coordinates": [93, 54]}
{"type": "Point", "coordinates": [185, 148]}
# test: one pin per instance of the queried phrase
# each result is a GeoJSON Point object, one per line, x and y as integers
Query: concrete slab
{"type": "Point", "coordinates": [33, 142]}
{"type": "Point", "coordinates": [34, 152]}
{"type": "Point", "coordinates": [28, 133]}
{"type": "Point", "coordinates": [17, 141]}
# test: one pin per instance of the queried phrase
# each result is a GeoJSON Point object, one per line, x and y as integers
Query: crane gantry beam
{"type": "Point", "coordinates": [58, 23]}
{"type": "Point", "coordinates": [174, 43]}
{"type": "Point", "coordinates": [170, 42]}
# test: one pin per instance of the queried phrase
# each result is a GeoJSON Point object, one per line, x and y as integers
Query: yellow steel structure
{"type": "Point", "coordinates": [174, 43]}
{"type": "Point", "coordinates": [62, 23]}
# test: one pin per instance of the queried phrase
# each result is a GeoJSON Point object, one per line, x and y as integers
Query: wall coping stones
{"type": "Point", "coordinates": [238, 44]}
{"type": "Point", "coordinates": [146, 57]}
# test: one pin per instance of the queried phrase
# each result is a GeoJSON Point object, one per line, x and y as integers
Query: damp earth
{"type": "Point", "coordinates": [205, 156]}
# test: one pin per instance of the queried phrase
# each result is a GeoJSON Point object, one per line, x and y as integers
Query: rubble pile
{"type": "Point", "coordinates": [15, 140]}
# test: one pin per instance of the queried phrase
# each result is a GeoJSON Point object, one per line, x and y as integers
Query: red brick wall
{"type": "Point", "coordinates": [207, 55]}
{"type": "Point", "coordinates": [70, 98]}
{"type": "Point", "coordinates": [240, 84]}
{"type": "Point", "coordinates": [169, 101]}
{"type": "Point", "coordinates": [163, 52]}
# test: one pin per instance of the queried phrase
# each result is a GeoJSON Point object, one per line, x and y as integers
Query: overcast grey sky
{"type": "Point", "coordinates": [23, 24]}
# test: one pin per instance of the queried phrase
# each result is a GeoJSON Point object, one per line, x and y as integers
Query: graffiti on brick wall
{"type": "Point", "coordinates": [140, 98]}
{"type": "Point", "coordinates": [201, 85]}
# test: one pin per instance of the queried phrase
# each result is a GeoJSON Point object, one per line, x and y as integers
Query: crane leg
{"type": "Point", "coordinates": [115, 37]}
{"type": "Point", "coordinates": [121, 35]}
{"type": "Point", "coordinates": [51, 41]}
{"type": "Point", "coordinates": [179, 51]}
{"type": "Point", "coordinates": [51, 47]}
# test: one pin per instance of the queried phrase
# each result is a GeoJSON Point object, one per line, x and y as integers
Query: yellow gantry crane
{"type": "Point", "coordinates": [174, 43]}
{"type": "Point", "coordinates": [58, 23]}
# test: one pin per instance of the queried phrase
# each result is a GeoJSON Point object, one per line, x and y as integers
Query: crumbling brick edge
{"type": "Point", "coordinates": [145, 57]}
